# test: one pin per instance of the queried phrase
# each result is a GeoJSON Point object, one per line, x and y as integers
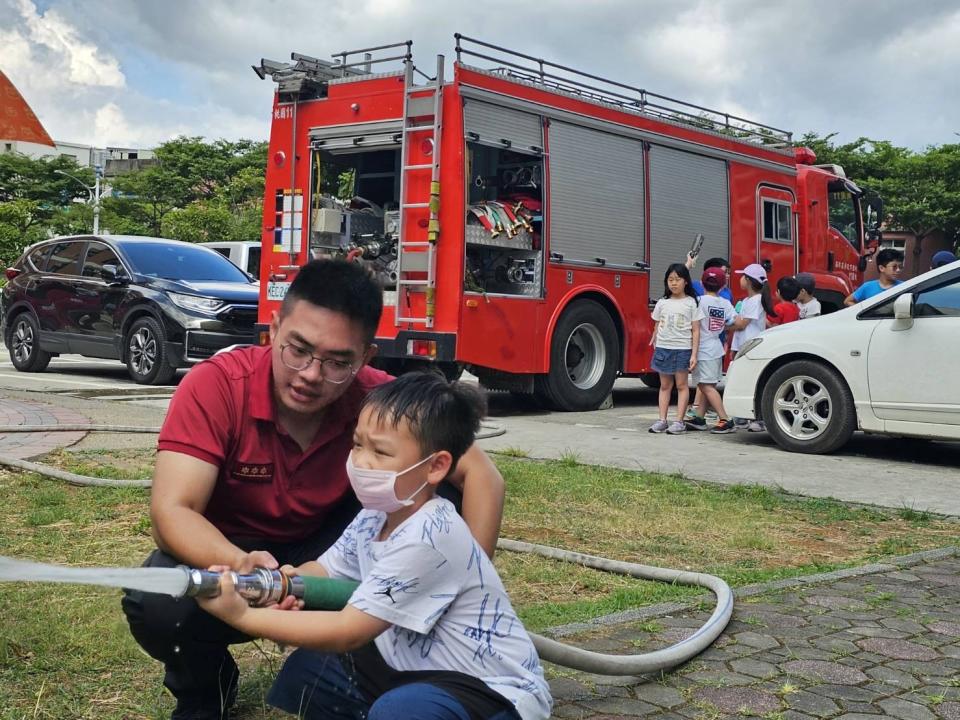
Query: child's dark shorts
{"type": "Point", "coordinates": [670, 361]}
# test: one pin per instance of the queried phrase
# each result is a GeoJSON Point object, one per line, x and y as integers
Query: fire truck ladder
{"type": "Point", "coordinates": [416, 257]}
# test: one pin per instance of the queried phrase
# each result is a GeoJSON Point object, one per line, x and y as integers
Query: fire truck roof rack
{"type": "Point", "coordinates": [307, 77]}
{"type": "Point", "coordinates": [625, 97]}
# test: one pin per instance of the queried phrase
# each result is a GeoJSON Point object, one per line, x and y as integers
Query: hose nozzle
{"type": "Point", "coordinates": [260, 587]}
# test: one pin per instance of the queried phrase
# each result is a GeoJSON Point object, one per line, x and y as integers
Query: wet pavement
{"type": "Point", "coordinates": [881, 640]}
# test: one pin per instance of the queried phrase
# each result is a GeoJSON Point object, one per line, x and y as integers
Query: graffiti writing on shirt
{"type": "Point", "coordinates": [364, 526]}
{"type": "Point", "coordinates": [391, 586]}
{"type": "Point", "coordinates": [476, 559]}
{"type": "Point", "coordinates": [436, 523]}
{"type": "Point", "coordinates": [421, 642]}
{"type": "Point", "coordinates": [489, 629]}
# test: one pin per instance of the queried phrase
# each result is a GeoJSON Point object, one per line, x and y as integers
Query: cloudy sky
{"type": "Point", "coordinates": [134, 73]}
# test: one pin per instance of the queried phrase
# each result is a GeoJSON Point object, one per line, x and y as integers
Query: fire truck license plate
{"type": "Point", "coordinates": [277, 290]}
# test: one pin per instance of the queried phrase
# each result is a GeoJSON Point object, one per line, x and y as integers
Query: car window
{"type": "Point", "coordinates": [253, 262]}
{"type": "Point", "coordinates": [943, 299]}
{"type": "Point", "coordinates": [38, 258]}
{"type": "Point", "coordinates": [181, 261]}
{"type": "Point", "coordinates": [65, 258]}
{"type": "Point", "coordinates": [99, 255]}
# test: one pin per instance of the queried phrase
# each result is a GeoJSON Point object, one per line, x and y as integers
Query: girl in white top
{"type": "Point", "coordinates": [676, 341]}
{"type": "Point", "coordinates": [751, 319]}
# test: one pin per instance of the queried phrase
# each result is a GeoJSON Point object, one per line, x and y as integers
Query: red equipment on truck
{"type": "Point", "coordinates": [521, 217]}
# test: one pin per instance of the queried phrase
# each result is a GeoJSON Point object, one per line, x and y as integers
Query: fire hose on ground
{"type": "Point", "coordinates": [264, 586]}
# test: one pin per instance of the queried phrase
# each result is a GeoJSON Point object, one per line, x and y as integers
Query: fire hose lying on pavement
{"type": "Point", "coordinates": [266, 586]}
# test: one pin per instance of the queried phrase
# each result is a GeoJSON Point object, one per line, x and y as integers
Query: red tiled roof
{"type": "Point", "coordinates": [17, 121]}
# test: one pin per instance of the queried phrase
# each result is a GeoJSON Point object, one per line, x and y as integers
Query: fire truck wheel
{"type": "Point", "coordinates": [808, 408]}
{"type": "Point", "coordinates": [651, 379]}
{"type": "Point", "coordinates": [584, 358]}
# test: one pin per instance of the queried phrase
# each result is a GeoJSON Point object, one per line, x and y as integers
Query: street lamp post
{"type": "Point", "coordinates": [94, 193]}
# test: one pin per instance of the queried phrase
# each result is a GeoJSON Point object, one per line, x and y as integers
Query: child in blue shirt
{"type": "Point", "coordinates": [889, 264]}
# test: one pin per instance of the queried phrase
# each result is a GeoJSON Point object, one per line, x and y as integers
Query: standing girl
{"type": "Point", "coordinates": [752, 316]}
{"type": "Point", "coordinates": [676, 340]}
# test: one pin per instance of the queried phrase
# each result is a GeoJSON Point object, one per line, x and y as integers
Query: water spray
{"type": "Point", "coordinates": [260, 587]}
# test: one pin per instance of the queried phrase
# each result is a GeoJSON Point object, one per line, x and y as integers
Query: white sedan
{"type": "Point", "coordinates": [889, 365]}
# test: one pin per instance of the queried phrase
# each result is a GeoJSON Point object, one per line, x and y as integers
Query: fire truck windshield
{"type": "Point", "coordinates": [845, 215]}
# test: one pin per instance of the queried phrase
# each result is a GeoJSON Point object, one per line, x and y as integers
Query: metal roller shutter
{"type": "Point", "coordinates": [494, 124]}
{"type": "Point", "coordinates": [596, 195]}
{"type": "Point", "coordinates": [688, 195]}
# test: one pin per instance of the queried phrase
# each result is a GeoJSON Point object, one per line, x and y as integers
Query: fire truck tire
{"type": "Point", "coordinates": [584, 359]}
{"type": "Point", "coordinates": [651, 379]}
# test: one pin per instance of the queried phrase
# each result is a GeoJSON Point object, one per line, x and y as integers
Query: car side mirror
{"type": "Point", "coordinates": [903, 311]}
{"type": "Point", "coordinates": [111, 273]}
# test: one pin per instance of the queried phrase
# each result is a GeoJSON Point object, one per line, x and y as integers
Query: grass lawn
{"type": "Point", "coordinates": [65, 651]}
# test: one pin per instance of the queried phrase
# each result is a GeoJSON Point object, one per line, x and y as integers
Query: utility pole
{"type": "Point", "coordinates": [94, 193]}
{"type": "Point", "coordinates": [98, 172]}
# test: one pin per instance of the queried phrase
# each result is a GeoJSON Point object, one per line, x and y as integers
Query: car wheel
{"type": "Point", "coordinates": [25, 352]}
{"type": "Point", "coordinates": [808, 408]}
{"type": "Point", "coordinates": [146, 353]}
{"type": "Point", "coordinates": [584, 357]}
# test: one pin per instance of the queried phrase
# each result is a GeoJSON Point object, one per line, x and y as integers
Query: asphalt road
{"type": "Point", "coordinates": [916, 474]}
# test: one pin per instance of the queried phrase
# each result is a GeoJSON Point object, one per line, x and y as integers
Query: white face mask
{"type": "Point", "coordinates": [376, 489]}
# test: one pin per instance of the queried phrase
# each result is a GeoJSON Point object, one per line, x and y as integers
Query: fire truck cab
{"type": "Point", "coordinates": [520, 215]}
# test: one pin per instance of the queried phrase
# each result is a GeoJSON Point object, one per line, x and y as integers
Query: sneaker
{"type": "Point", "coordinates": [659, 426]}
{"type": "Point", "coordinates": [723, 427]}
{"type": "Point", "coordinates": [677, 428]}
{"type": "Point", "coordinates": [691, 414]}
{"type": "Point", "coordinates": [756, 426]}
{"type": "Point", "coordinates": [710, 416]}
{"type": "Point", "coordinates": [740, 422]}
{"type": "Point", "coordinates": [695, 423]}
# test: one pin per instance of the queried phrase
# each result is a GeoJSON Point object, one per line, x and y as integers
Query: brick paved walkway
{"type": "Point", "coordinates": [28, 445]}
{"type": "Point", "coordinates": [858, 646]}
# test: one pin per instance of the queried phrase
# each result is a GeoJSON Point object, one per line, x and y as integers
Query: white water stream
{"type": "Point", "coordinates": [168, 581]}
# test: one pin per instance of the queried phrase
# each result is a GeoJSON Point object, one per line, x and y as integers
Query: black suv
{"type": "Point", "coordinates": [154, 304]}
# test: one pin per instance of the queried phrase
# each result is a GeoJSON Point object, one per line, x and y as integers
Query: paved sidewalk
{"type": "Point", "coordinates": [28, 412]}
{"type": "Point", "coordinates": [857, 644]}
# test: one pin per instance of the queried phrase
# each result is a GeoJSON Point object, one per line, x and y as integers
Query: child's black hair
{"type": "Point", "coordinates": [441, 415]}
{"type": "Point", "coordinates": [341, 286]}
{"type": "Point", "coordinates": [764, 289]}
{"type": "Point", "coordinates": [806, 281]}
{"type": "Point", "coordinates": [889, 255]}
{"type": "Point", "coordinates": [681, 270]}
{"type": "Point", "coordinates": [788, 288]}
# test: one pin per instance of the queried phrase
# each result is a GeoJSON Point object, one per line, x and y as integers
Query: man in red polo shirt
{"type": "Point", "coordinates": [250, 470]}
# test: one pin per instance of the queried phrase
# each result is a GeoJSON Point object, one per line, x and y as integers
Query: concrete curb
{"type": "Point", "coordinates": [662, 609]}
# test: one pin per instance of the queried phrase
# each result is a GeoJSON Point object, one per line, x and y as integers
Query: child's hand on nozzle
{"type": "Point", "coordinates": [229, 605]}
{"type": "Point", "coordinates": [289, 602]}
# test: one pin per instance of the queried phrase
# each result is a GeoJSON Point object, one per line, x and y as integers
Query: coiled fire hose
{"type": "Point", "coordinates": [264, 586]}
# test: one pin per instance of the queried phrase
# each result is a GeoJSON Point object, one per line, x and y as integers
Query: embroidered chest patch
{"type": "Point", "coordinates": [252, 472]}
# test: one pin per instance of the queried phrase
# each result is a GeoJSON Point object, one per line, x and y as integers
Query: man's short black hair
{"type": "Point", "coordinates": [442, 415]}
{"type": "Point", "coordinates": [716, 262]}
{"type": "Point", "coordinates": [889, 255]}
{"type": "Point", "coordinates": [341, 286]}
{"type": "Point", "coordinates": [788, 288]}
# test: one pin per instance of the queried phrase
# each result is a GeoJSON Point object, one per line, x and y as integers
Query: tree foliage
{"type": "Point", "coordinates": [197, 191]}
{"type": "Point", "coordinates": [921, 190]}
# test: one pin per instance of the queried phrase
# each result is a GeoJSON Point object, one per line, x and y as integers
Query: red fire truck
{"type": "Point", "coordinates": [521, 215]}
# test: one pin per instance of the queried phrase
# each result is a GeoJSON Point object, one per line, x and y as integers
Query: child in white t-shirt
{"type": "Point", "coordinates": [751, 319]}
{"type": "Point", "coordinates": [808, 304]}
{"type": "Point", "coordinates": [676, 342]}
{"type": "Point", "coordinates": [430, 625]}
{"type": "Point", "coordinates": [717, 313]}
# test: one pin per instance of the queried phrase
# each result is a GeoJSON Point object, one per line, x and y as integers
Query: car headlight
{"type": "Point", "coordinates": [751, 344]}
{"type": "Point", "coordinates": [196, 303]}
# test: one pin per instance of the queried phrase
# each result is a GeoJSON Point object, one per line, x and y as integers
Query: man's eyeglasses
{"type": "Point", "coordinates": [333, 370]}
